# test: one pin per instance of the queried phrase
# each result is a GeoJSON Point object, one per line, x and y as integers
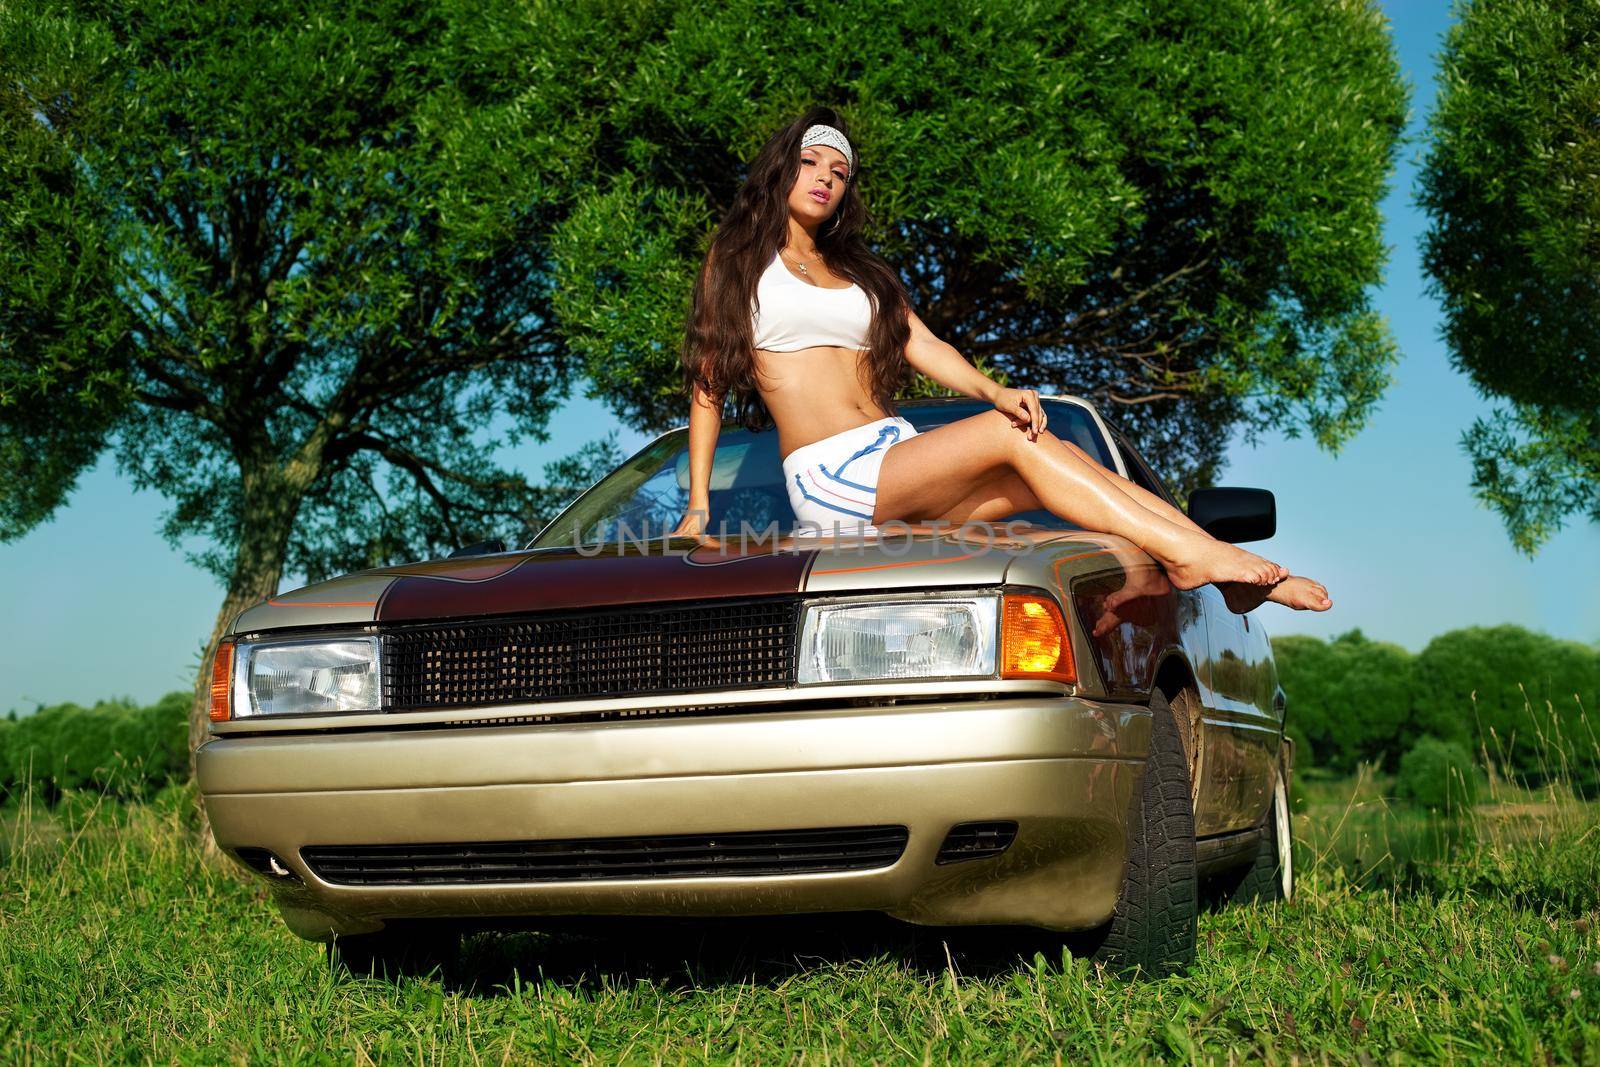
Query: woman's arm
{"type": "Point", "coordinates": [940, 361]}
{"type": "Point", "coordinates": [705, 425]}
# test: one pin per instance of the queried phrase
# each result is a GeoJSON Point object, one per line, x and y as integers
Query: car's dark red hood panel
{"type": "Point", "coordinates": [614, 574]}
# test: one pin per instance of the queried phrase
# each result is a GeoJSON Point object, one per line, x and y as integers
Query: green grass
{"type": "Point", "coordinates": [1482, 944]}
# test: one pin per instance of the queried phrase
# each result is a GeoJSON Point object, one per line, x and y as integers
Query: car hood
{"type": "Point", "coordinates": [510, 583]}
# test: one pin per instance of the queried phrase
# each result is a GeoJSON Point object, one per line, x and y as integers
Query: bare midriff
{"type": "Point", "coordinates": [814, 393]}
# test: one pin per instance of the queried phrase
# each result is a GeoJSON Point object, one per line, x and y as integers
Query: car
{"type": "Point", "coordinates": [1019, 724]}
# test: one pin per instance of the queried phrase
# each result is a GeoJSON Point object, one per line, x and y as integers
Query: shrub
{"type": "Point", "coordinates": [1520, 694]}
{"type": "Point", "coordinates": [115, 747]}
{"type": "Point", "coordinates": [1350, 699]}
{"type": "Point", "coordinates": [1439, 774]}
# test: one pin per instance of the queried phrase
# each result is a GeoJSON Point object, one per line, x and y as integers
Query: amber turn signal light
{"type": "Point", "coordinates": [222, 682]}
{"type": "Point", "coordinates": [1033, 639]}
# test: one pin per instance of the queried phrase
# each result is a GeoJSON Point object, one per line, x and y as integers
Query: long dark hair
{"type": "Point", "coordinates": [719, 344]}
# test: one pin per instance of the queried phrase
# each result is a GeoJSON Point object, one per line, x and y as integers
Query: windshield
{"type": "Point", "coordinates": [646, 496]}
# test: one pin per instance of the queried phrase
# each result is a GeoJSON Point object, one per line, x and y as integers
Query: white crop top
{"type": "Point", "coordinates": [789, 314]}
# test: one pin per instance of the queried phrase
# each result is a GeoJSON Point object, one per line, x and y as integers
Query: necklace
{"type": "Point", "coordinates": [803, 270]}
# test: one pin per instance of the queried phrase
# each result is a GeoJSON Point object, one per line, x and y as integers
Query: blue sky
{"type": "Point", "coordinates": [99, 605]}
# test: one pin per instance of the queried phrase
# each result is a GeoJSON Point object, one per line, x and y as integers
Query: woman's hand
{"type": "Point", "coordinates": [693, 523]}
{"type": "Point", "coordinates": [1022, 407]}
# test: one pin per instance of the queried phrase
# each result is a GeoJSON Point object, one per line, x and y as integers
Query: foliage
{"type": "Point", "coordinates": [1516, 697]}
{"type": "Point", "coordinates": [1512, 186]}
{"type": "Point", "coordinates": [290, 262]}
{"type": "Point", "coordinates": [1349, 699]}
{"type": "Point", "coordinates": [1171, 208]}
{"type": "Point", "coordinates": [1520, 696]}
{"type": "Point", "coordinates": [115, 748]}
{"type": "Point", "coordinates": [1440, 775]}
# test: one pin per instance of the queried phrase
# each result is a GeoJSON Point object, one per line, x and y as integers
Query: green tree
{"type": "Point", "coordinates": [1170, 207]}
{"type": "Point", "coordinates": [290, 263]}
{"type": "Point", "coordinates": [1521, 696]}
{"type": "Point", "coordinates": [1302, 663]}
{"type": "Point", "coordinates": [1350, 699]}
{"type": "Point", "coordinates": [1511, 184]}
{"type": "Point", "coordinates": [115, 748]}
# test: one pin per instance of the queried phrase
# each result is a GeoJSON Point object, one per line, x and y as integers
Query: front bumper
{"type": "Point", "coordinates": [1062, 768]}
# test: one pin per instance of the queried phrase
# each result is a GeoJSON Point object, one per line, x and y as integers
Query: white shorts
{"type": "Point", "coordinates": [833, 483]}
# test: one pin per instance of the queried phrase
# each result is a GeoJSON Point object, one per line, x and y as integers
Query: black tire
{"type": "Point", "coordinates": [398, 950]}
{"type": "Point", "coordinates": [1270, 876]}
{"type": "Point", "coordinates": [1152, 930]}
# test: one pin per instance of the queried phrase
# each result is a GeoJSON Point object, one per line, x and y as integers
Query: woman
{"type": "Point", "coordinates": [794, 315]}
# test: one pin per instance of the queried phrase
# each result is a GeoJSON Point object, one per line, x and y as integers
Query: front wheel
{"type": "Point", "coordinates": [1153, 927]}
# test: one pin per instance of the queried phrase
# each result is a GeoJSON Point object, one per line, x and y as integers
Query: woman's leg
{"type": "Point", "coordinates": [1006, 494]}
{"type": "Point", "coordinates": [1291, 591]}
{"type": "Point", "coordinates": [1141, 495]}
{"type": "Point", "coordinates": [929, 475]}
{"type": "Point", "coordinates": [991, 498]}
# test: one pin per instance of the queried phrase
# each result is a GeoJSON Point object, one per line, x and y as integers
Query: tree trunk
{"type": "Point", "coordinates": [272, 496]}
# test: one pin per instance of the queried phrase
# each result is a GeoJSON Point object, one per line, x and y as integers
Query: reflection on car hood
{"type": "Point", "coordinates": [595, 576]}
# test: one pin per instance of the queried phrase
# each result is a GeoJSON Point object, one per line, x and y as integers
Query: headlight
{"type": "Point", "coordinates": [910, 638]}
{"type": "Point", "coordinates": [307, 677]}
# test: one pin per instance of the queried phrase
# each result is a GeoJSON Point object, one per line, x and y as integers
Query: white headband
{"type": "Point", "coordinates": [833, 139]}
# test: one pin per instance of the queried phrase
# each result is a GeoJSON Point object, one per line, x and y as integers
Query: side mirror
{"type": "Point", "coordinates": [482, 548]}
{"type": "Point", "coordinates": [1234, 514]}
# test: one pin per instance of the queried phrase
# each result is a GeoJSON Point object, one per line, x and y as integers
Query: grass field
{"type": "Point", "coordinates": [1412, 937]}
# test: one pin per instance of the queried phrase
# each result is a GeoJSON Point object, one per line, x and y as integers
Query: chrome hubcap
{"type": "Point", "coordinates": [1280, 802]}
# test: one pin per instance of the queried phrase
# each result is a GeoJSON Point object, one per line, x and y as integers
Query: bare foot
{"type": "Point", "coordinates": [1280, 573]}
{"type": "Point", "coordinates": [1218, 561]}
{"type": "Point", "coordinates": [1296, 592]}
